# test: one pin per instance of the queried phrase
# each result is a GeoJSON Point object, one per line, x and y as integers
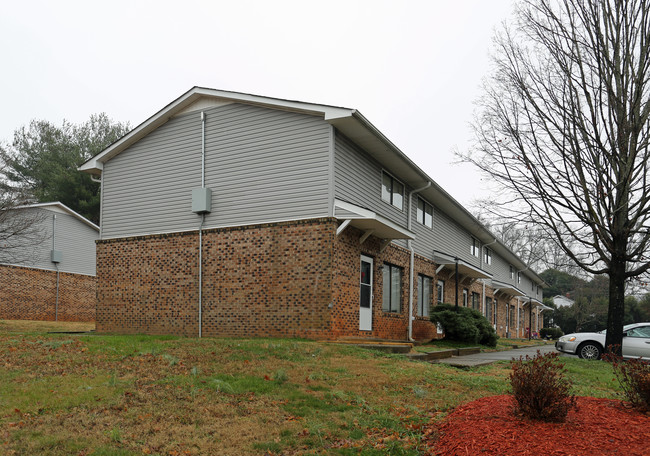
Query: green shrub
{"type": "Point", "coordinates": [634, 377]}
{"type": "Point", "coordinates": [540, 389]}
{"type": "Point", "coordinates": [466, 325]}
{"type": "Point", "coordinates": [553, 333]}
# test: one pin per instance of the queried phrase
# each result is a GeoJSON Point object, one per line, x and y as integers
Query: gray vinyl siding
{"type": "Point", "coordinates": [452, 239]}
{"type": "Point", "coordinates": [76, 241]}
{"type": "Point", "coordinates": [73, 238]}
{"type": "Point", "coordinates": [425, 237]}
{"type": "Point", "coordinates": [501, 270]}
{"type": "Point", "coordinates": [357, 180]}
{"type": "Point", "coordinates": [262, 165]}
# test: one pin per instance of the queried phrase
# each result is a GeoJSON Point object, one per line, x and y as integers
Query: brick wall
{"type": "Point", "coordinates": [263, 280]}
{"type": "Point", "coordinates": [292, 279]}
{"type": "Point", "coordinates": [385, 325]}
{"type": "Point", "coordinates": [30, 294]}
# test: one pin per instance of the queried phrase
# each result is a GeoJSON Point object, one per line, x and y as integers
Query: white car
{"type": "Point", "coordinates": [636, 343]}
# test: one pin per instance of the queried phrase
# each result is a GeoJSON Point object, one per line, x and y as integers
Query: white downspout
{"type": "Point", "coordinates": [201, 226]}
{"type": "Point", "coordinates": [56, 265]}
{"type": "Point", "coordinates": [483, 280]}
{"type": "Point", "coordinates": [412, 262]}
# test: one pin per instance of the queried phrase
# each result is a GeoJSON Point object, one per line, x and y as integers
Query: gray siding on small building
{"type": "Point", "coordinates": [262, 165]}
{"type": "Point", "coordinates": [73, 238]}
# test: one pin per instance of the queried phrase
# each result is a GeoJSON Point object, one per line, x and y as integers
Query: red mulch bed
{"type": "Point", "coordinates": [488, 426]}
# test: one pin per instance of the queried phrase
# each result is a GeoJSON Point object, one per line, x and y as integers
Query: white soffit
{"type": "Point", "coordinates": [367, 220]}
{"type": "Point", "coordinates": [507, 288]}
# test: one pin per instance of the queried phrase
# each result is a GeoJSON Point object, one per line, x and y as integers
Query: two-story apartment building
{"type": "Point", "coordinates": [47, 264]}
{"type": "Point", "coordinates": [234, 214]}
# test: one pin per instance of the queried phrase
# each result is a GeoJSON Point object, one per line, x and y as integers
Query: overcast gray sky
{"type": "Point", "coordinates": [413, 68]}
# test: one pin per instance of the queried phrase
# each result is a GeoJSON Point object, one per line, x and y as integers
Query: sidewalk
{"type": "Point", "coordinates": [481, 359]}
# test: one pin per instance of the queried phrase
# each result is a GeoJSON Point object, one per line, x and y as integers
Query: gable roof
{"type": "Point", "coordinates": [354, 126]}
{"type": "Point", "coordinates": [57, 206]}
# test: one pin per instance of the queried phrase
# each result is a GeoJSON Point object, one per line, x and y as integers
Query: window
{"type": "Point", "coordinates": [487, 256]}
{"type": "Point", "coordinates": [424, 295]}
{"type": "Point", "coordinates": [488, 309]}
{"type": "Point", "coordinates": [641, 331]}
{"type": "Point", "coordinates": [425, 213]}
{"type": "Point", "coordinates": [512, 273]}
{"type": "Point", "coordinates": [392, 291]}
{"type": "Point", "coordinates": [476, 301]}
{"type": "Point", "coordinates": [465, 296]}
{"type": "Point", "coordinates": [496, 311]}
{"type": "Point", "coordinates": [519, 277]}
{"type": "Point", "coordinates": [441, 291]}
{"type": "Point", "coordinates": [512, 321]}
{"type": "Point", "coordinates": [474, 247]}
{"type": "Point", "coordinates": [392, 191]}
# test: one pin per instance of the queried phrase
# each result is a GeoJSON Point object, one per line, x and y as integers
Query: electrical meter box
{"type": "Point", "coordinates": [56, 256]}
{"type": "Point", "coordinates": [201, 200]}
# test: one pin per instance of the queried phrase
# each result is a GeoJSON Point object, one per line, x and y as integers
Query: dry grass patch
{"type": "Point", "coordinates": [33, 326]}
{"type": "Point", "coordinates": [63, 394]}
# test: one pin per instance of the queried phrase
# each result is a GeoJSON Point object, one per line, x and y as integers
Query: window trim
{"type": "Point", "coordinates": [475, 248]}
{"type": "Point", "coordinates": [487, 256]}
{"type": "Point", "coordinates": [390, 267]}
{"type": "Point", "coordinates": [424, 212]}
{"type": "Point", "coordinates": [478, 301]}
{"type": "Point", "coordinates": [392, 192]}
{"type": "Point", "coordinates": [422, 302]}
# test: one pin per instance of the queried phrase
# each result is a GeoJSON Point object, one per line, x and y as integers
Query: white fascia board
{"type": "Point", "coordinates": [61, 208]}
{"type": "Point", "coordinates": [508, 288]}
{"type": "Point", "coordinates": [95, 164]}
{"type": "Point", "coordinates": [463, 267]}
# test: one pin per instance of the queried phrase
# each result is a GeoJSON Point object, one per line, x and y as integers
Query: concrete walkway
{"type": "Point", "coordinates": [481, 359]}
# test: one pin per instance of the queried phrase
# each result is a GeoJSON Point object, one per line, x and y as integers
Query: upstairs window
{"type": "Point", "coordinates": [519, 277]}
{"type": "Point", "coordinates": [392, 190]}
{"type": "Point", "coordinates": [425, 213]}
{"type": "Point", "coordinates": [487, 256]}
{"type": "Point", "coordinates": [474, 248]}
{"type": "Point", "coordinates": [512, 273]}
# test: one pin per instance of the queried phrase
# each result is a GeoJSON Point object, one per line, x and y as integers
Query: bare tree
{"type": "Point", "coordinates": [21, 230]}
{"type": "Point", "coordinates": [563, 128]}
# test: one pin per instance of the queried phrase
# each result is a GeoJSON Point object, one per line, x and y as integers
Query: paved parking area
{"type": "Point", "coordinates": [481, 359]}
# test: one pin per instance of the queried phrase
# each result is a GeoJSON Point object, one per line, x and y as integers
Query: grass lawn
{"type": "Point", "coordinates": [78, 394]}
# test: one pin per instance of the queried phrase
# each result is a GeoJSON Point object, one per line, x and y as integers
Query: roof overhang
{"type": "Point", "coordinates": [95, 165]}
{"type": "Point", "coordinates": [535, 302]}
{"type": "Point", "coordinates": [370, 222]}
{"type": "Point", "coordinates": [506, 288]}
{"type": "Point", "coordinates": [464, 268]}
{"type": "Point", "coordinates": [57, 206]}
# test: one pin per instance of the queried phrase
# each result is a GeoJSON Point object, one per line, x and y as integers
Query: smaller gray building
{"type": "Point", "coordinates": [47, 267]}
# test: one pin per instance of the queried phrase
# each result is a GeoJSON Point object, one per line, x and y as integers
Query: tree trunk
{"type": "Point", "coordinates": [616, 311]}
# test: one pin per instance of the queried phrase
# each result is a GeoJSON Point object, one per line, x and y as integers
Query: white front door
{"type": "Point", "coordinates": [365, 301]}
